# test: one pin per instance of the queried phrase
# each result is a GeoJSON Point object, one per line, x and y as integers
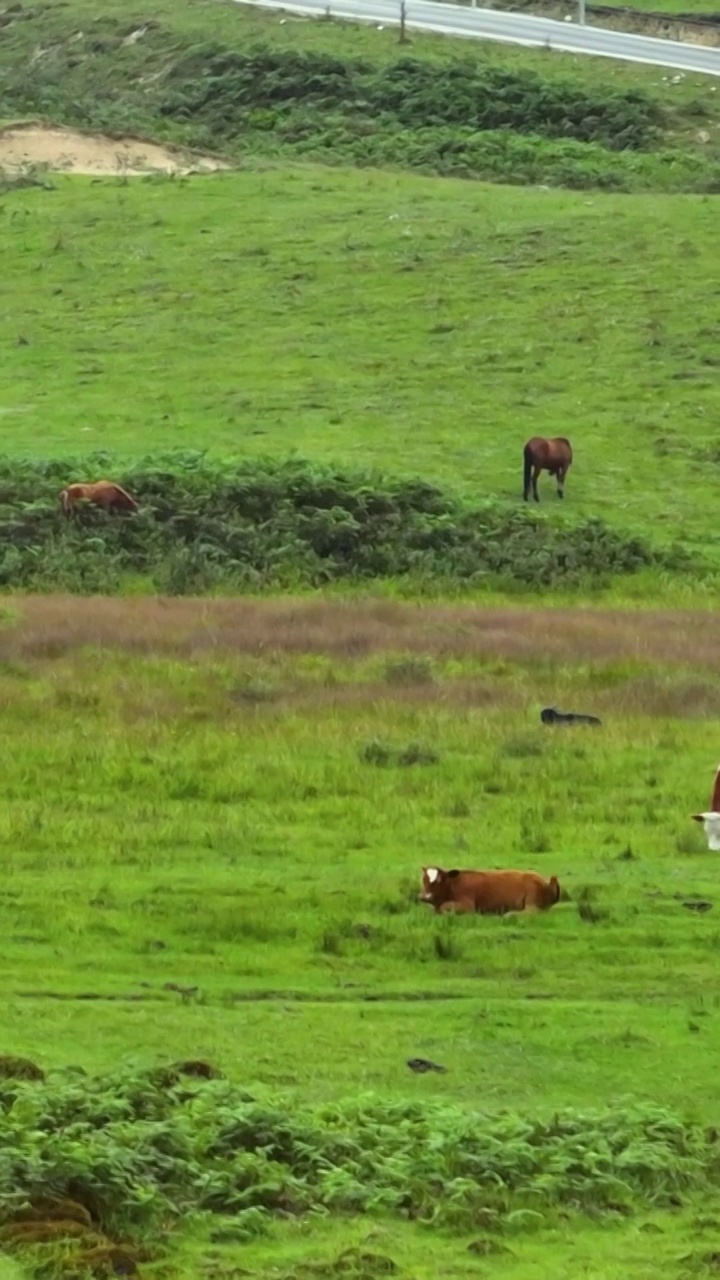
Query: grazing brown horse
{"type": "Point", "coordinates": [539, 454]}
{"type": "Point", "coordinates": [104, 493]}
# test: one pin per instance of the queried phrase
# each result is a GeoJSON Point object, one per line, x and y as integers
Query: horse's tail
{"type": "Point", "coordinates": [527, 469]}
{"type": "Point", "coordinates": [64, 502]}
{"type": "Point", "coordinates": [554, 889]}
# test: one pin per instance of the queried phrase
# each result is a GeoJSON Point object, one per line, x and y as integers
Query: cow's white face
{"type": "Point", "coordinates": [430, 875]}
{"type": "Point", "coordinates": [711, 823]}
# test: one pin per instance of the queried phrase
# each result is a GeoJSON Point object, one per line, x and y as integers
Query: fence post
{"type": "Point", "coordinates": [403, 15]}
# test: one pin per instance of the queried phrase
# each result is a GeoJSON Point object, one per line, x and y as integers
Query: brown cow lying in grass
{"type": "Point", "coordinates": [488, 892]}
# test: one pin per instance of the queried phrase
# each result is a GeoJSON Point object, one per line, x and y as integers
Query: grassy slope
{"type": "Point", "coordinates": [113, 83]}
{"type": "Point", "coordinates": [232, 23]}
{"type": "Point", "coordinates": [212, 825]}
{"type": "Point", "coordinates": [421, 325]}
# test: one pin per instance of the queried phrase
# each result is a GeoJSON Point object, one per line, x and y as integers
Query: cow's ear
{"type": "Point", "coordinates": [452, 874]}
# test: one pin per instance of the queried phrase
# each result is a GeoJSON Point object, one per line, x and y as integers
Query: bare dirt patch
{"type": "Point", "coordinates": [67, 151]}
{"type": "Point", "coordinates": [52, 626]}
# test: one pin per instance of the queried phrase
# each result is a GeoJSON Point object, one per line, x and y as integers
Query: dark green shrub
{"type": "Point", "coordinates": [141, 1151]}
{"type": "Point", "coordinates": [225, 88]}
{"type": "Point", "coordinates": [205, 526]}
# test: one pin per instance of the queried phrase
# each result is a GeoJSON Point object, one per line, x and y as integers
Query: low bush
{"type": "Point", "coordinates": [205, 526]}
{"type": "Point", "coordinates": [220, 87]}
{"type": "Point", "coordinates": [133, 1152]}
{"type": "Point", "coordinates": [495, 155]}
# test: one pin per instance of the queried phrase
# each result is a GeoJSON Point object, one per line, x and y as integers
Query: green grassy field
{"type": "Point", "coordinates": [422, 327]}
{"type": "Point", "coordinates": [210, 821]}
{"type": "Point", "coordinates": [211, 844]}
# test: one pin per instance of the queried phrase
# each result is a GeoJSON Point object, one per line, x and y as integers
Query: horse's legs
{"type": "Point", "coordinates": [536, 473]}
{"type": "Point", "coordinates": [560, 482]}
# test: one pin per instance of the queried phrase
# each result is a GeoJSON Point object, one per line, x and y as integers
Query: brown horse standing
{"type": "Point", "coordinates": [539, 454]}
{"type": "Point", "coordinates": [104, 493]}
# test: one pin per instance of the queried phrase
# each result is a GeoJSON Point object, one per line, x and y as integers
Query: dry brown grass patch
{"type": "Point", "coordinates": [687, 698]}
{"type": "Point", "coordinates": [55, 626]}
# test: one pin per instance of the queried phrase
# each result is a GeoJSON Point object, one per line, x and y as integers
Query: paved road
{"type": "Point", "coordinates": [512, 28]}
